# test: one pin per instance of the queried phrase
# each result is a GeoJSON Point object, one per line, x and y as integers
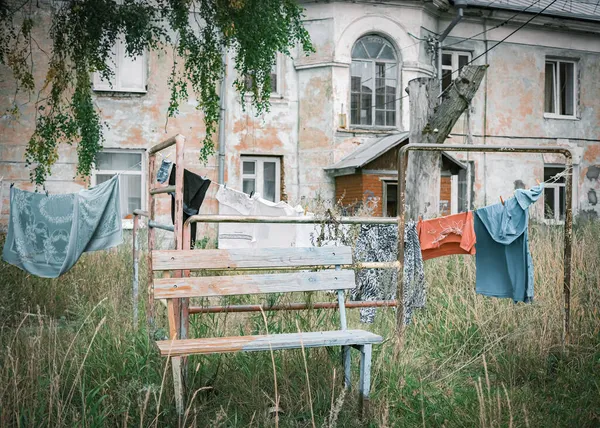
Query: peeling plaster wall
{"type": "Point", "coordinates": [135, 121]}
{"type": "Point", "coordinates": [303, 124]}
{"type": "Point", "coordinates": [508, 109]}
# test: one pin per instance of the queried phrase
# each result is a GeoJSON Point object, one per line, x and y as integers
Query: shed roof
{"type": "Point", "coordinates": [367, 152]}
{"type": "Point", "coordinates": [370, 151]}
{"type": "Point", "coordinates": [579, 9]}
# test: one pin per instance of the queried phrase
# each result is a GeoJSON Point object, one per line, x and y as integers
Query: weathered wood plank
{"type": "Point", "coordinates": [214, 286]}
{"type": "Point", "coordinates": [217, 345]}
{"type": "Point", "coordinates": [164, 144]}
{"type": "Point", "coordinates": [176, 364]}
{"type": "Point", "coordinates": [172, 319]}
{"type": "Point", "coordinates": [250, 258]}
{"type": "Point", "coordinates": [160, 190]}
{"type": "Point", "coordinates": [365, 379]}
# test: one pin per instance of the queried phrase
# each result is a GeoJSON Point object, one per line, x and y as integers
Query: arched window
{"type": "Point", "coordinates": [374, 71]}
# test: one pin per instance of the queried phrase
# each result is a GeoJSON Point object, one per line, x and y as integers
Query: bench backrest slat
{"type": "Point", "coordinates": [214, 286]}
{"type": "Point", "coordinates": [248, 258]}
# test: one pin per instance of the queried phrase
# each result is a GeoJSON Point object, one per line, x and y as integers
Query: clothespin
{"type": "Point", "coordinates": [11, 185]}
{"type": "Point", "coordinates": [420, 218]}
{"type": "Point", "coordinates": [537, 181]}
{"type": "Point", "coordinates": [501, 200]}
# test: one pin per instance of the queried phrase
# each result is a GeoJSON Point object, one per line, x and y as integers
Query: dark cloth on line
{"type": "Point", "coordinates": [194, 191]}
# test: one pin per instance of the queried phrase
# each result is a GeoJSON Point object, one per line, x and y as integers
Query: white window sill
{"type": "Point", "coordinates": [368, 130]}
{"type": "Point", "coordinates": [559, 116]}
{"type": "Point", "coordinates": [274, 98]}
{"type": "Point", "coordinates": [118, 93]}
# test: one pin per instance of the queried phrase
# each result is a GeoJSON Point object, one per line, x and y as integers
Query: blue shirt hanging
{"type": "Point", "coordinates": [503, 261]}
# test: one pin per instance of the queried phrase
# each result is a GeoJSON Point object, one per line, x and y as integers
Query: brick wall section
{"type": "Point", "coordinates": [446, 193]}
{"type": "Point", "coordinates": [348, 189]}
{"type": "Point", "coordinates": [373, 187]}
{"type": "Point", "coordinates": [357, 187]}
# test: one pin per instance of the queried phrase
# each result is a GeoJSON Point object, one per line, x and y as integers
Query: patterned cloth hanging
{"type": "Point", "coordinates": [379, 243]}
{"type": "Point", "coordinates": [48, 233]}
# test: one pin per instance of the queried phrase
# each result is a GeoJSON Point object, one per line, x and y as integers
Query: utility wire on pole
{"type": "Point", "coordinates": [492, 47]}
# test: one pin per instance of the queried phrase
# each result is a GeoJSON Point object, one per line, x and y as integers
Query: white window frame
{"type": "Point", "coordinates": [278, 81]}
{"type": "Point", "coordinates": [373, 63]}
{"type": "Point", "coordinates": [556, 186]}
{"type": "Point", "coordinates": [127, 223]}
{"type": "Point", "coordinates": [114, 85]}
{"type": "Point", "coordinates": [556, 84]}
{"type": "Point", "coordinates": [258, 175]}
{"type": "Point", "coordinates": [453, 68]}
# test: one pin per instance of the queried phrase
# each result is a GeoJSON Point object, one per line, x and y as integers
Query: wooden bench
{"type": "Point", "coordinates": [174, 289]}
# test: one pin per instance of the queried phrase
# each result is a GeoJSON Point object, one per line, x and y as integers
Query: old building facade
{"type": "Point", "coordinates": [542, 87]}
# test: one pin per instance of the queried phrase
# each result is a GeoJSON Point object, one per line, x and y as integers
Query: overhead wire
{"type": "Point", "coordinates": [492, 47]}
{"type": "Point", "coordinates": [503, 23]}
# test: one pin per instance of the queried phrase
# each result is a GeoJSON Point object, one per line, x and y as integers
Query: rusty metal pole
{"type": "Point", "coordinates": [400, 268]}
{"type": "Point", "coordinates": [568, 242]}
{"type": "Point", "coordinates": [151, 240]}
{"type": "Point", "coordinates": [178, 223]}
{"type": "Point", "coordinates": [136, 268]}
{"type": "Point", "coordinates": [568, 231]}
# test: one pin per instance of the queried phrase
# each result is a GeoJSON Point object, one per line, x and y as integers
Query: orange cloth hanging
{"type": "Point", "coordinates": [448, 235]}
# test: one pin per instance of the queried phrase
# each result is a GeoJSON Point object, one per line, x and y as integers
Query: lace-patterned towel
{"type": "Point", "coordinates": [48, 234]}
{"type": "Point", "coordinates": [379, 243]}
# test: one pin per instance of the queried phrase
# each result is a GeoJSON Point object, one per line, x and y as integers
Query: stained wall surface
{"type": "Point", "coordinates": [304, 128]}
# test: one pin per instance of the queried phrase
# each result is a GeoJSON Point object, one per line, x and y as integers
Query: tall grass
{"type": "Point", "coordinates": [71, 356]}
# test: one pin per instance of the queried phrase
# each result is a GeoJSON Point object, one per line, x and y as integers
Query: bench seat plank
{"type": "Point", "coordinates": [248, 258]}
{"type": "Point", "coordinates": [218, 345]}
{"type": "Point", "coordinates": [214, 286]}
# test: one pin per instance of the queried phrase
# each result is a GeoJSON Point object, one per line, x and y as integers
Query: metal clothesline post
{"type": "Point", "coordinates": [568, 227]}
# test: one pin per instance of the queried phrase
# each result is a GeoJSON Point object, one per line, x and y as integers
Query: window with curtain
{"type": "Point", "coordinates": [452, 62]}
{"type": "Point", "coordinates": [128, 164]}
{"type": "Point", "coordinates": [373, 83]}
{"type": "Point", "coordinates": [262, 174]}
{"type": "Point", "coordinates": [129, 73]}
{"type": "Point", "coordinates": [560, 88]}
{"type": "Point", "coordinates": [275, 76]}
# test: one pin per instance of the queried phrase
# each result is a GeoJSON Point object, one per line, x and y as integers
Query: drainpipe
{"type": "Point", "coordinates": [223, 111]}
{"type": "Point", "coordinates": [460, 4]}
{"type": "Point", "coordinates": [223, 108]}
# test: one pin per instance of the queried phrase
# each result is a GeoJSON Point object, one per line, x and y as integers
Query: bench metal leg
{"type": "Point", "coordinates": [347, 363]}
{"type": "Point", "coordinates": [365, 379]}
{"type": "Point", "coordinates": [177, 383]}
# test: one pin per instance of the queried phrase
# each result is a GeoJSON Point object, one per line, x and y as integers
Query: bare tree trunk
{"type": "Point", "coordinates": [430, 123]}
{"type": "Point", "coordinates": [423, 171]}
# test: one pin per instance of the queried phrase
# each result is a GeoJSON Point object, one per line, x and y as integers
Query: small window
{"type": "Point", "coordinates": [373, 83]}
{"type": "Point", "coordinates": [390, 205]}
{"type": "Point", "coordinates": [129, 164]}
{"type": "Point", "coordinates": [262, 174]}
{"type": "Point", "coordinates": [560, 88]}
{"type": "Point", "coordinates": [129, 72]}
{"type": "Point", "coordinates": [452, 62]}
{"type": "Point", "coordinates": [554, 195]}
{"type": "Point", "coordinates": [466, 177]}
{"type": "Point", "coordinates": [275, 76]}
